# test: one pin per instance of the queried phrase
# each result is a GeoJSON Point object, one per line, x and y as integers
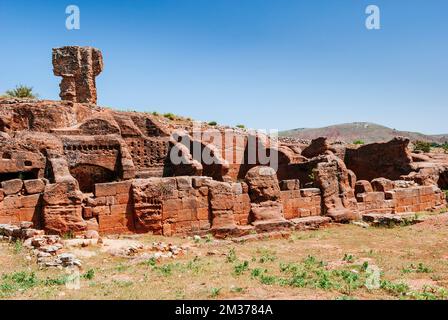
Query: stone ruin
{"type": "Point", "coordinates": [78, 67]}
{"type": "Point", "coordinates": [72, 166]}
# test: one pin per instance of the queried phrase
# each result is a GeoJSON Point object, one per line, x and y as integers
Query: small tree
{"type": "Point", "coordinates": [212, 123]}
{"type": "Point", "coordinates": [21, 91]}
{"type": "Point", "coordinates": [445, 147]}
{"type": "Point", "coordinates": [422, 146]}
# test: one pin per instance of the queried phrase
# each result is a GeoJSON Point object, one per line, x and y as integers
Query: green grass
{"type": "Point", "coordinates": [166, 269]}
{"type": "Point", "coordinates": [267, 256]}
{"type": "Point", "coordinates": [215, 292]}
{"type": "Point", "coordinates": [22, 281]}
{"type": "Point", "coordinates": [367, 264]}
{"type": "Point", "coordinates": [236, 290]}
{"type": "Point", "coordinates": [396, 289]}
{"type": "Point", "coordinates": [18, 246]}
{"type": "Point", "coordinates": [56, 281]}
{"type": "Point", "coordinates": [241, 268]}
{"type": "Point", "coordinates": [312, 273]}
{"type": "Point", "coordinates": [429, 293]}
{"type": "Point", "coordinates": [231, 256]}
{"type": "Point", "coordinates": [68, 235]}
{"type": "Point", "coordinates": [419, 268]}
{"type": "Point", "coordinates": [348, 258]}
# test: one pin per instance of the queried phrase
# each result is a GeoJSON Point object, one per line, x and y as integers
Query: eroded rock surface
{"type": "Point", "coordinates": [78, 67]}
{"type": "Point", "coordinates": [72, 167]}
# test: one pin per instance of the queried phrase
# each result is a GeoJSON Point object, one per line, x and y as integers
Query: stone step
{"type": "Point", "coordinates": [262, 236]}
{"type": "Point", "coordinates": [272, 225]}
{"type": "Point", "coordinates": [310, 223]}
{"type": "Point", "coordinates": [390, 219]}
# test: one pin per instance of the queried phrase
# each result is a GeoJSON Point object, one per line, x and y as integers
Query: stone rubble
{"type": "Point", "coordinates": [46, 248]}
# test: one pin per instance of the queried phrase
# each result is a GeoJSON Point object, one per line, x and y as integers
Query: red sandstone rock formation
{"type": "Point", "coordinates": [265, 196]}
{"type": "Point", "coordinates": [382, 185]}
{"type": "Point", "coordinates": [74, 167]}
{"type": "Point", "coordinates": [320, 146]}
{"type": "Point", "coordinates": [78, 67]}
{"type": "Point", "coordinates": [380, 160]}
{"type": "Point", "coordinates": [332, 177]}
{"type": "Point", "coordinates": [363, 186]}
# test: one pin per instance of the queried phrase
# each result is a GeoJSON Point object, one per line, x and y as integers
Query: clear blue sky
{"type": "Point", "coordinates": [272, 64]}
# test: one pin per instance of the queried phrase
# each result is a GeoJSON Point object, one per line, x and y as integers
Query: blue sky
{"type": "Point", "coordinates": [272, 64]}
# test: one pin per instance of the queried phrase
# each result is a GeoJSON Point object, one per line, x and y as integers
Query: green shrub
{"type": "Point", "coordinates": [348, 258]}
{"type": "Point", "coordinates": [151, 262]}
{"type": "Point", "coordinates": [420, 268]}
{"type": "Point", "coordinates": [241, 126]}
{"type": "Point", "coordinates": [396, 289]}
{"type": "Point", "coordinates": [169, 115]}
{"type": "Point", "coordinates": [89, 275]}
{"type": "Point", "coordinates": [422, 146]}
{"type": "Point", "coordinates": [267, 280]}
{"type": "Point", "coordinates": [445, 147]}
{"type": "Point", "coordinates": [56, 281]}
{"type": "Point", "coordinates": [256, 272]}
{"type": "Point", "coordinates": [212, 123]}
{"type": "Point", "coordinates": [241, 267]}
{"type": "Point", "coordinates": [358, 142]}
{"type": "Point", "coordinates": [166, 269]}
{"type": "Point", "coordinates": [22, 91]}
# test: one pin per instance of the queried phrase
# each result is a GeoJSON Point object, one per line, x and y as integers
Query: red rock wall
{"type": "Point", "coordinates": [112, 207]}
{"type": "Point", "coordinates": [184, 205]}
{"type": "Point", "coordinates": [413, 199]}
{"type": "Point", "coordinates": [186, 208]}
{"type": "Point", "coordinates": [390, 160]}
{"type": "Point", "coordinates": [21, 201]}
{"type": "Point", "coordinates": [301, 203]}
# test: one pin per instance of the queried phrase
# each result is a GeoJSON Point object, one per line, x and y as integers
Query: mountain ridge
{"type": "Point", "coordinates": [364, 131]}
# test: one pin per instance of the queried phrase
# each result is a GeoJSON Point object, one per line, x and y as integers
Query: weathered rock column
{"type": "Point", "coordinates": [78, 67]}
{"type": "Point", "coordinates": [333, 179]}
{"type": "Point", "coordinates": [266, 205]}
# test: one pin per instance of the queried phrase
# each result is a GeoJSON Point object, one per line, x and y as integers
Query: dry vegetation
{"type": "Point", "coordinates": [330, 263]}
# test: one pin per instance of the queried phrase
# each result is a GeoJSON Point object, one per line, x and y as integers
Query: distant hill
{"type": "Point", "coordinates": [365, 131]}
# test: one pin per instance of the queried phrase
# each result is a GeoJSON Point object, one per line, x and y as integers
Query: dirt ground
{"type": "Point", "coordinates": [337, 262]}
